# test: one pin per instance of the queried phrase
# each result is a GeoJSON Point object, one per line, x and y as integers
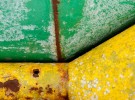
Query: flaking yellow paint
{"type": "Point", "coordinates": [50, 84]}
{"type": "Point", "coordinates": [107, 72]}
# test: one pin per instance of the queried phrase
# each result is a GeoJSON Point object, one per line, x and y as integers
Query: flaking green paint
{"type": "Point", "coordinates": [87, 22]}
{"type": "Point", "coordinates": [27, 26]}
{"type": "Point", "coordinates": [27, 30]}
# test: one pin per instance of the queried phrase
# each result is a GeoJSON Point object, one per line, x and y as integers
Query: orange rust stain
{"type": "Point", "coordinates": [39, 90]}
{"type": "Point", "coordinates": [12, 85]}
{"type": "Point", "coordinates": [49, 89]}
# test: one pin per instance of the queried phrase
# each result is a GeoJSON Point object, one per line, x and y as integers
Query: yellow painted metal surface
{"type": "Point", "coordinates": [105, 73]}
{"type": "Point", "coordinates": [33, 81]}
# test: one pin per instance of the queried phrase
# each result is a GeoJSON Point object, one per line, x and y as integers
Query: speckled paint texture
{"type": "Point", "coordinates": [27, 31]}
{"type": "Point", "coordinates": [28, 27]}
{"type": "Point", "coordinates": [85, 23]}
{"type": "Point", "coordinates": [107, 72]}
{"type": "Point", "coordinates": [29, 81]}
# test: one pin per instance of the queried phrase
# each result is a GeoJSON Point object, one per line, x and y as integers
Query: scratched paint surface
{"type": "Point", "coordinates": [87, 22]}
{"type": "Point", "coordinates": [27, 30]}
{"type": "Point", "coordinates": [107, 72]}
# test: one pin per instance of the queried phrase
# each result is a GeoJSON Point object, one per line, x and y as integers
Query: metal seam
{"type": "Point", "coordinates": [56, 25]}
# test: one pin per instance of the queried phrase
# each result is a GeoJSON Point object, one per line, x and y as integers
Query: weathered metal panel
{"type": "Point", "coordinates": [30, 81]}
{"type": "Point", "coordinates": [27, 31]}
{"type": "Point", "coordinates": [56, 30]}
{"type": "Point", "coordinates": [107, 72]}
{"type": "Point", "coordinates": [85, 23]}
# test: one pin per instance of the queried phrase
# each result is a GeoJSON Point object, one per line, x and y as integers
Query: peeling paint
{"type": "Point", "coordinates": [24, 33]}
{"type": "Point", "coordinates": [99, 20]}
{"type": "Point", "coordinates": [32, 30]}
{"type": "Point", "coordinates": [21, 85]}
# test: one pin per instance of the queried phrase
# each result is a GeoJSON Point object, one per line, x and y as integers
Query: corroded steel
{"type": "Point", "coordinates": [31, 81]}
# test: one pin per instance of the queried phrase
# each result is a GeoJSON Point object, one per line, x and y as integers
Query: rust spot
{"type": "Point", "coordinates": [45, 99]}
{"type": "Point", "coordinates": [49, 90]}
{"type": "Point", "coordinates": [28, 98]}
{"type": "Point", "coordinates": [1, 85]}
{"type": "Point", "coordinates": [64, 80]}
{"type": "Point", "coordinates": [56, 24]}
{"type": "Point", "coordinates": [36, 72]}
{"type": "Point", "coordinates": [63, 97]}
{"type": "Point", "coordinates": [64, 75]}
{"type": "Point", "coordinates": [13, 85]}
{"type": "Point", "coordinates": [11, 94]}
{"type": "Point", "coordinates": [33, 89]}
{"type": "Point", "coordinates": [39, 90]}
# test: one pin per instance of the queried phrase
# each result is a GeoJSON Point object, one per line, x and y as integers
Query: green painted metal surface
{"type": "Point", "coordinates": [27, 30]}
{"type": "Point", "coordinates": [85, 23]}
{"type": "Point", "coordinates": [28, 27]}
